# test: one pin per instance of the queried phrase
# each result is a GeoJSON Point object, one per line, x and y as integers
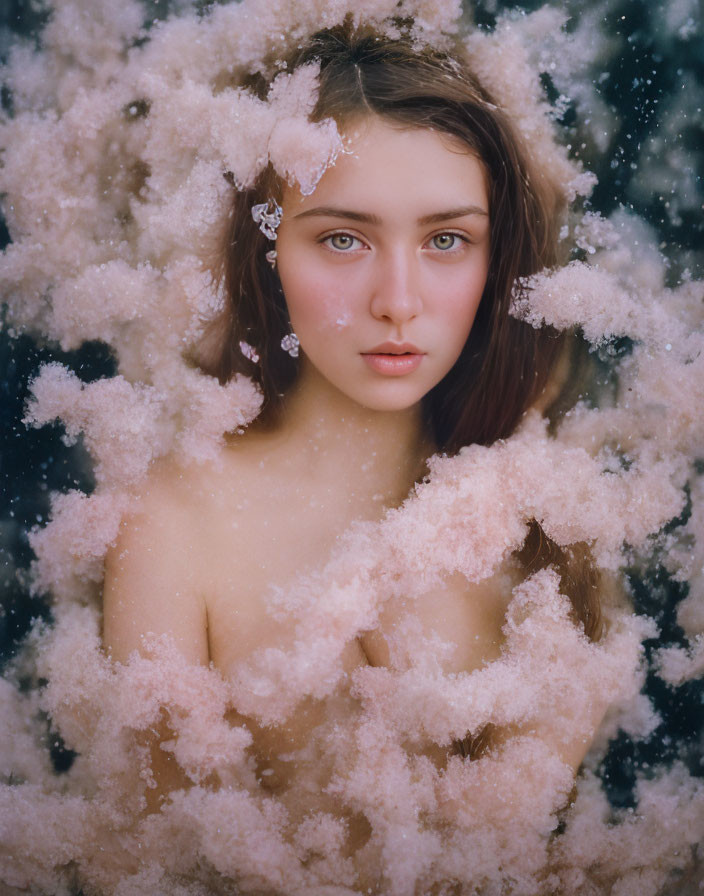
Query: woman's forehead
{"type": "Point", "coordinates": [387, 167]}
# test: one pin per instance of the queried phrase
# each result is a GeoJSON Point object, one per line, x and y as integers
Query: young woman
{"type": "Point", "coordinates": [395, 275]}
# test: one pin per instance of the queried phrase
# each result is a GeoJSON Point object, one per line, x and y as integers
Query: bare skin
{"type": "Point", "coordinates": [204, 544]}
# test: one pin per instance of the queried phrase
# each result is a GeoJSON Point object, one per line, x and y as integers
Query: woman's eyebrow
{"type": "Point", "coordinates": [461, 212]}
{"type": "Point", "coordinates": [329, 211]}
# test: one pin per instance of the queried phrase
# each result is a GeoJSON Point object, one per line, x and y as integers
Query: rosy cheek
{"type": "Point", "coordinates": [335, 310]}
{"type": "Point", "coordinates": [322, 303]}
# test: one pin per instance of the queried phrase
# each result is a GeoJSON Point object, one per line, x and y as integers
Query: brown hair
{"type": "Point", "coordinates": [505, 363]}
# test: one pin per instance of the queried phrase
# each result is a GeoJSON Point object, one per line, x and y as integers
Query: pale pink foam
{"type": "Point", "coordinates": [114, 218]}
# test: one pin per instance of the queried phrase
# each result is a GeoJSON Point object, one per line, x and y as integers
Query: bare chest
{"type": "Point", "coordinates": [262, 543]}
{"type": "Point", "coordinates": [266, 545]}
{"type": "Point", "coordinates": [261, 546]}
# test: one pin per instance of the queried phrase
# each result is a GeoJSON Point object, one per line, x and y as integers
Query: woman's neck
{"type": "Point", "coordinates": [371, 454]}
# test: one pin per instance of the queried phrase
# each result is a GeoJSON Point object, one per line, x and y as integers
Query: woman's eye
{"type": "Point", "coordinates": [342, 242]}
{"type": "Point", "coordinates": [445, 241]}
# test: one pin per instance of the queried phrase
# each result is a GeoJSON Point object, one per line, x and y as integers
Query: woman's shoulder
{"type": "Point", "coordinates": [165, 499]}
{"type": "Point", "coordinates": [177, 486]}
{"type": "Point", "coordinates": [152, 583]}
{"type": "Point", "coordinates": [183, 509]}
{"type": "Point", "coordinates": [170, 518]}
{"type": "Point", "coordinates": [170, 551]}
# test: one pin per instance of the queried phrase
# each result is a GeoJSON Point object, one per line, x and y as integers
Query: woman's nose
{"type": "Point", "coordinates": [396, 289]}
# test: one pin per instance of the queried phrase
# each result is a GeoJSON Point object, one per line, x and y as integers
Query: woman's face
{"type": "Point", "coordinates": [384, 265]}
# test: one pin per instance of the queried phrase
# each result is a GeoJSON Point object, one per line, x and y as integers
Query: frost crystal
{"type": "Point", "coordinates": [268, 220]}
{"type": "Point", "coordinates": [249, 351]}
{"type": "Point", "coordinates": [290, 344]}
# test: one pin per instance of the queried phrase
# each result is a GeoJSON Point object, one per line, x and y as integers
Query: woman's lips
{"type": "Point", "coordinates": [393, 364]}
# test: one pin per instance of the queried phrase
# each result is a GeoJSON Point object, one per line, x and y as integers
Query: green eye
{"type": "Point", "coordinates": [445, 240]}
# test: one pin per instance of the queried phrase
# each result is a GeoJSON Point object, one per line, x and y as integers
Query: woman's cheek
{"type": "Point", "coordinates": [320, 305]}
{"type": "Point", "coordinates": [335, 310]}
